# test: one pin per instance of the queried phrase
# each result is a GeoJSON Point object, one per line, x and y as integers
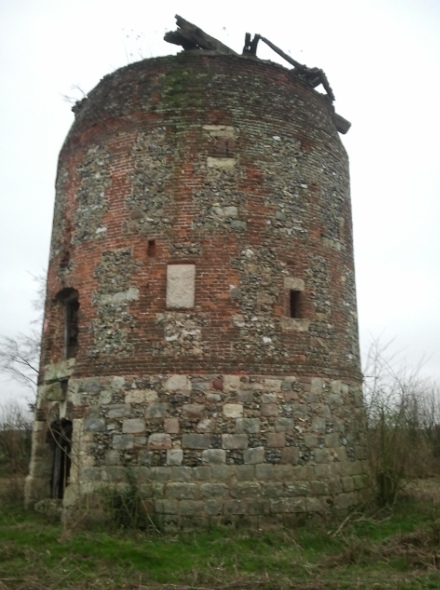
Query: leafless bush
{"type": "Point", "coordinates": [15, 450]}
{"type": "Point", "coordinates": [15, 438]}
{"type": "Point", "coordinates": [19, 358]}
{"type": "Point", "coordinates": [19, 355]}
{"type": "Point", "coordinates": [403, 417]}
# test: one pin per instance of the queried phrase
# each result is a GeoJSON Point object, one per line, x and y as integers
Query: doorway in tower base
{"type": "Point", "coordinates": [60, 440]}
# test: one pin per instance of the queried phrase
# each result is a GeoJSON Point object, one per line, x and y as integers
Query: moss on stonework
{"type": "Point", "coordinates": [179, 86]}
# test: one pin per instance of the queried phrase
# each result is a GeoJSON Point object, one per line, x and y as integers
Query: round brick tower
{"type": "Point", "coordinates": [200, 332]}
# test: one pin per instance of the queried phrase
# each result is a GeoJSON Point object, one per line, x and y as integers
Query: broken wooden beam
{"type": "Point", "coordinates": [281, 53]}
{"type": "Point", "coordinates": [342, 125]}
{"type": "Point", "coordinates": [190, 36]}
{"type": "Point", "coordinates": [250, 46]}
{"type": "Point", "coordinates": [313, 76]}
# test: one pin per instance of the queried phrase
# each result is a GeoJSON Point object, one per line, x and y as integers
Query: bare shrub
{"type": "Point", "coordinates": [19, 355]}
{"type": "Point", "coordinates": [128, 507]}
{"type": "Point", "coordinates": [403, 418]}
{"type": "Point", "coordinates": [15, 438]}
{"type": "Point", "coordinates": [15, 450]}
{"type": "Point", "coordinates": [19, 358]}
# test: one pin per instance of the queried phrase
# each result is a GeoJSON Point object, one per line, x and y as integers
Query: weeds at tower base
{"type": "Point", "coordinates": [394, 548]}
{"type": "Point", "coordinates": [127, 508]}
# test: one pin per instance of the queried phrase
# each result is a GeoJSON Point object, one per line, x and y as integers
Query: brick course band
{"type": "Point", "coordinates": [202, 273]}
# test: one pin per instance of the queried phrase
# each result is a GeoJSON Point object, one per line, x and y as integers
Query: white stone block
{"type": "Point", "coordinates": [225, 131]}
{"type": "Point", "coordinates": [221, 163]}
{"type": "Point", "coordinates": [233, 410]}
{"type": "Point", "coordinates": [181, 286]}
{"type": "Point", "coordinates": [140, 396]}
{"type": "Point", "coordinates": [294, 284]}
{"type": "Point", "coordinates": [273, 384]}
{"type": "Point", "coordinates": [232, 382]}
{"type": "Point", "coordinates": [130, 295]}
{"type": "Point", "coordinates": [178, 383]}
{"type": "Point", "coordinates": [174, 457]}
{"type": "Point", "coordinates": [133, 426]}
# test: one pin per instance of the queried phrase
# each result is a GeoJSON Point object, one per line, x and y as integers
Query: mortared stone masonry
{"type": "Point", "coordinates": [200, 326]}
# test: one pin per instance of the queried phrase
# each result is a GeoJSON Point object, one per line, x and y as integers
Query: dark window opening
{"type": "Point", "coordinates": [68, 306]}
{"type": "Point", "coordinates": [60, 439]}
{"type": "Point", "coordinates": [64, 386]}
{"type": "Point", "coordinates": [295, 304]}
{"type": "Point", "coordinates": [71, 328]}
{"type": "Point", "coordinates": [222, 148]}
{"type": "Point", "coordinates": [65, 259]}
{"type": "Point", "coordinates": [151, 251]}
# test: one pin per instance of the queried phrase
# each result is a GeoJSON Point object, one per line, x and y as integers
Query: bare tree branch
{"type": "Point", "coordinates": [403, 419]}
{"type": "Point", "coordinates": [19, 358]}
{"type": "Point", "coordinates": [20, 355]}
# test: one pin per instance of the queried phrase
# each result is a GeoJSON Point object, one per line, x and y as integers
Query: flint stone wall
{"type": "Point", "coordinates": [222, 162]}
{"type": "Point", "coordinates": [216, 447]}
{"type": "Point", "coordinates": [223, 402]}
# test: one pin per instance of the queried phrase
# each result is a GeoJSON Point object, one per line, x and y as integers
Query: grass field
{"type": "Point", "coordinates": [392, 549]}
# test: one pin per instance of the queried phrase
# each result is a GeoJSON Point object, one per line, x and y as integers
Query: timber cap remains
{"type": "Point", "coordinates": [191, 37]}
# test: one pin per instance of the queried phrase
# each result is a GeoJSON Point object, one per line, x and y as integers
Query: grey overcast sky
{"type": "Point", "coordinates": [382, 58]}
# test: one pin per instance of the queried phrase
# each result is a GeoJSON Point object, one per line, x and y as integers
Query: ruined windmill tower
{"type": "Point", "coordinates": [200, 329]}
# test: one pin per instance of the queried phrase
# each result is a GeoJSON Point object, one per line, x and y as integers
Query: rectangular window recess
{"type": "Point", "coordinates": [64, 383]}
{"type": "Point", "coordinates": [71, 328]}
{"type": "Point", "coordinates": [151, 250]}
{"type": "Point", "coordinates": [295, 304]}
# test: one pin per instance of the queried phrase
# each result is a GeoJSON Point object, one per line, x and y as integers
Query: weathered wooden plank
{"type": "Point", "coordinates": [189, 36]}
{"type": "Point", "coordinates": [313, 76]}
{"type": "Point", "coordinates": [281, 53]}
{"type": "Point", "coordinates": [250, 46]}
{"type": "Point", "coordinates": [342, 125]}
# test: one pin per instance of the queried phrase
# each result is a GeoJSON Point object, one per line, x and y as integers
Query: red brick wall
{"type": "Point", "coordinates": [134, 168]}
